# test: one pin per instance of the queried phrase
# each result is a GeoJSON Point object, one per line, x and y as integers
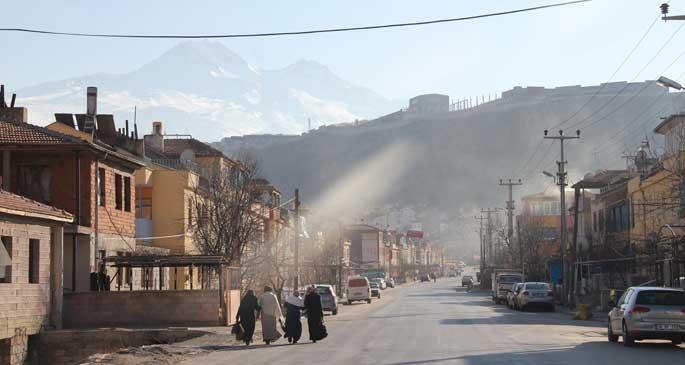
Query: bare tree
{"type": "Point", "coordinates": [224, 209]}
{"type": "Point", "coordinates": [531, 238]}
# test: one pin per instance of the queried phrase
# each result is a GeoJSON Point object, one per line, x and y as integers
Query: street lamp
{"type": "Point", "coordinates": [549, 174]}
{"type": "Point", "coordinates": [668, 83]}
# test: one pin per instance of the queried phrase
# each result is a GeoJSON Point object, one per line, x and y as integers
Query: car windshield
{"type": "Point", "coordinates": [661, 297]}
{"type": "Point", "coordinates": [357, 282]}
{"type": "Point", "coordinates": [323, 290]}
{"type": "Point", "coordinates": [537, 286]}
{"type": "Point", "coordinates": [509, 279]}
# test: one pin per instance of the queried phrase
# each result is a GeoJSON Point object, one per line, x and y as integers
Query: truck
{"type": "Point", "coordinates": [502, 281]}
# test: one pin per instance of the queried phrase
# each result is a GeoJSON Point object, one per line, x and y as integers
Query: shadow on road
{"type": "Point", "coordinates": [585, 353]}
{"type": "Point", "coordinates": [251, 347]}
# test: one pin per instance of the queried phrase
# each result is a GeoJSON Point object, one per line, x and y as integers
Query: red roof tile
{"type": "Point", "coordinates": [24, 133]}
{"type": "Point", "coordinates": [20, 206]}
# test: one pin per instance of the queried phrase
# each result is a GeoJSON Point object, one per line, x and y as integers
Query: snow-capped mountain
{"type": "Point", "coordinates": [205, 89]}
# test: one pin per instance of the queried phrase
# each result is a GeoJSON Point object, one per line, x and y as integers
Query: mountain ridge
{"type": "Point", "coordinates": [205, 89]}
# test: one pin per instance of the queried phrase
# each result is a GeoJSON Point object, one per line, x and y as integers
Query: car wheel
{"type": "Point", "coordinates": [368, 301]}
{"type": "Point", "coordinates": [628, 340]}
{"type": "Point", "coordinates": [676, 342]}
{"type": "Point", "coordinates": [335, 311]}
{"type": "Point", "coordinates": [349, 302]}
{"type": "Point", "coordinates": [610, 333]}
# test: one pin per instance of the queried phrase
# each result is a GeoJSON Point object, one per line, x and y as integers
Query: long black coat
{"type": "Point", "coordinates": [312, 303]}
{"type": "Point", "coordinates": [293, 325]}
{"type": "Point", "coordinates": [246, 315]}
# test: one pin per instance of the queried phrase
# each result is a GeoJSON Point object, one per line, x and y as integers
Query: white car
{"type": "Point", "coordinates": [358, 289]}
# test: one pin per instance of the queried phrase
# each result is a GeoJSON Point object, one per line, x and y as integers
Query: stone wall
{"type": "Point", "coordinates": [142, 309]}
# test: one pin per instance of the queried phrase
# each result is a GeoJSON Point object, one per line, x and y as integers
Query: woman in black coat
{"type": "Point", "coordinates": [246, 315]}
{"type": "Point", "coordinates": [293, 325]}
{"type": "Point", "coordinates": [312, 304]}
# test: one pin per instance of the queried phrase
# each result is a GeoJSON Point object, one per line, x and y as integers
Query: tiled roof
{"type": "Point", "coordinates": [20, 206]}
{"type": "Point", "coordinates": [173, 146]}
{"type": "Point", "coordinates": [24, 133]}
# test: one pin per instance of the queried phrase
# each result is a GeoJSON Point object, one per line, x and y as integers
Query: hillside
{"type": "Point", "coordinates": [454, 160]}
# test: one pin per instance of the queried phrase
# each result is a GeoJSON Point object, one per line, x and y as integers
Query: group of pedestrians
{"type": "Point", "coordinates": [268, 307]}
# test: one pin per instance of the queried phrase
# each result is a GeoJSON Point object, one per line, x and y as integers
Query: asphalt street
{"type": "Point", "coordinates": [439, 323]}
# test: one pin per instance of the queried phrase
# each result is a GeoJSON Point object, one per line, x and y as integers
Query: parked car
{"type": "Point", "coordinates": [329, 301]}
{"type": "Point", "coordinates": [466, 280]}
{"type": "Point", "coordinates": [512, 300]}
{"type": "Point", "coordinates": [425, 277]}
{"type": "Point", "coordinates": [534, 294]}
{"type": "Point", "coordinates": [648, 313]}
{"type": "Point", "coordinates": [381, 282]}
{"type": "Point", "coordinates": [391, 283]}
{"type": "Point", "coordinates": [358, 289]}
{"type": "Point", "coordinates": [375, 290]}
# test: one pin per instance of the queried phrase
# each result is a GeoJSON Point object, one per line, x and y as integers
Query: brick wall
{"type": "Point", "coordinates": [142, 309]}
{"type": "Point", "coordinates": [110, 219]}
{"type": "Point", "coordinates": [63, 187]}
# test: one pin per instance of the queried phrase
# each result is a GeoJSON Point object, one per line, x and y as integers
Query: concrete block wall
{"type": "Point", "coordinates": [24, 306]}
{"type": "Point", "coordinates": [138, 309]}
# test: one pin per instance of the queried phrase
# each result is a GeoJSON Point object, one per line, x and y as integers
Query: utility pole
{"type": "Point", "coordinates": [510, 208]}
{"type": "Point", "coordinates": [482, 248]}
{"type": "Point", "coordinates": [488, 230]}
{"type": "Point", "coordinates": [664, 12]}
{"type": "Point", "coordinates": [561, 181]}
{"type": "Point", "coordinates": [296, 284]}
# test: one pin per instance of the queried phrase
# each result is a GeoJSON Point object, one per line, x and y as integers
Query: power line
{"type": "Point", "coordinates": [289, 33]}
{"type": "Point", "coordinates": [663, 46]}
{"type": "Point", "coordinates": [620, 66]}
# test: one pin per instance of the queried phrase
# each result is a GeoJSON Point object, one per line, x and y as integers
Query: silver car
{"type": "Point", "coordinates": [534, 294]}
{"type": "Point", "coordinates": [648, 313]}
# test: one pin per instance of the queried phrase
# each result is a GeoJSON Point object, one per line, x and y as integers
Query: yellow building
{"type": "Point", "coordinates": [165, 189]}
{"type": "Point", "coordinates": [655, 197]}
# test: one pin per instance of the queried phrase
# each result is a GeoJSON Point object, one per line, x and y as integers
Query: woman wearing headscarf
{"type": "Point", "coordinates": [246, 315]}
{"type": "Point", "coordinates": [312, 303]}
{"type": "Point", "coordinates": [293, 313]}
{"type": "Point", "coordinates": [271, 315]}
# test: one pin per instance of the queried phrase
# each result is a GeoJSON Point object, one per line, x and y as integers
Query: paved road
{"type": "Point", "coordinates": [433, 323]}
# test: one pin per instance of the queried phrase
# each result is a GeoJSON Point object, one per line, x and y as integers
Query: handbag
{"type": "Point", "coordinates": [238, 331]}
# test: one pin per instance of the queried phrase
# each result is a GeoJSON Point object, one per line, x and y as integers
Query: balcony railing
{"type": "Point", "coordinates": [178, 164]}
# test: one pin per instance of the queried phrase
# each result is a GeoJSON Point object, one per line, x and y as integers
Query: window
{"type": "Point", "coordinates": [144, 202]}
{"type": "Point", "coordinates": [6, 260]}
{"type": "Point", "coordinates": [118, 196]}
{"type": "Point", "coordinates": [102, 186]}
{"type": "Point", "coordinates": [127, 194]}
{"type": "Point", "coordinates": [34, 260]}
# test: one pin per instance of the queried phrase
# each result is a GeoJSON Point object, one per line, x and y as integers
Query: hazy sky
{"type": "Point", "coordinates": [579, 44]}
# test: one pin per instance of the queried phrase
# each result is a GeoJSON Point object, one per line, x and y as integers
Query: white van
{"type": "Point", "coordinates": [358, 289]}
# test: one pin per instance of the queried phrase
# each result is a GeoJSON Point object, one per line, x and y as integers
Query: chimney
{"type": "Point", "coordinates": [90, 124]}
{"type": "Point", "coordinates": [156, 139]}
{"type": "Point", "coordinates": [10, 113]}
{"type": "Point", "coordinates": [14, 115]}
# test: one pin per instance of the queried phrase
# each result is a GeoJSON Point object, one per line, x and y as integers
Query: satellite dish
{"type": "Point", "coordinates": [187, 156]}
